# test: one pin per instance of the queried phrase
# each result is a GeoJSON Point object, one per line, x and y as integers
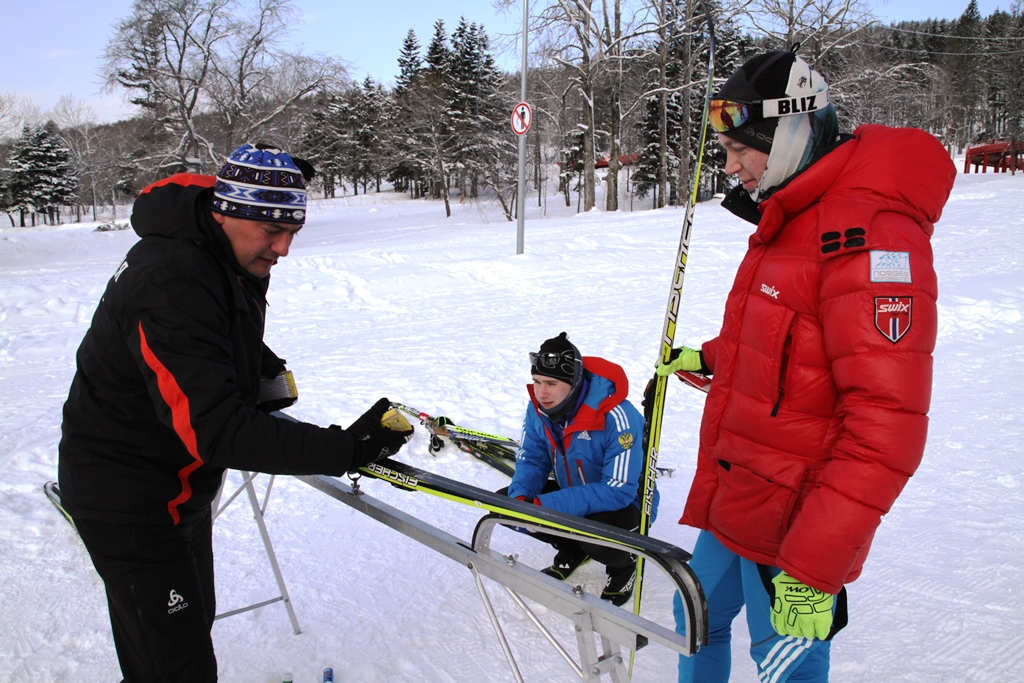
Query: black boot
{"type": "Point", "coordinates": [620, 583]}
{"type": "Point", "coordinates": [567, 560]}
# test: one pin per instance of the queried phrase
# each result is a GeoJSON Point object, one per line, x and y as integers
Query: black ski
{"type": "Point", "coordinates": [497, 451]}
{"type": "Point", "coordinates": [414, 479]}
{"type": "Point", "coordinates": [53, 493]}
{"type": "Point", "coordinates": [670, 558]}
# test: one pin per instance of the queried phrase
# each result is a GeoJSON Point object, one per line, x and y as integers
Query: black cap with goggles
{"type": "Point", "coordinates": [558, 358]}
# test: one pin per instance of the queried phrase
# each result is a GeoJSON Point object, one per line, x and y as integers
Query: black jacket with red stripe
{"type": "Point", "coordinates": [164, 395]}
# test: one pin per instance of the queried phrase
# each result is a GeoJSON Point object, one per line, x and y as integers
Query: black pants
{"type": "Point", "coordinates": [160, 594]}
{"type": "Point", "coordinates": [627, 518]}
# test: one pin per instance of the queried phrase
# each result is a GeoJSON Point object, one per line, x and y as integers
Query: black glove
{"type": "Point", "coordinates": [373, 440]}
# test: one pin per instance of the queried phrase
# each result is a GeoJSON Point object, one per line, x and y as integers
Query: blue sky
{"type": "Point", "coordinates": [55, 47]}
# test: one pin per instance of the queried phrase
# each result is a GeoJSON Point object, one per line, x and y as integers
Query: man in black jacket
{"type": "Point", "coordinates": [165, 399]}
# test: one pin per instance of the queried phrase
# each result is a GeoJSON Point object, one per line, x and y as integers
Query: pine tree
{"type": "Point", "coordinates": [427, 116]}
{"type": "Point", "coordinates": [19, 184]}
{"type": "Point", "coordinates": [377, 112]}
{"type": "Point", "coordinates": [43, 177]}
{"type": "Point", "coordinates": [439, 56]}
{"type": "Point", "coordinates": [320, 143]}
{"type": "Point", "coordinates": [343, 120]}
{"type": "Point", "coordinates": [6, 197]}
{"type": "Point", "coordinates": [402, 171]}
{"type": "Point", "coordinates": [409, 63]}
{"type": "Point", "coordinates": [358, 118]}
{"type": "Point", "coordinates": [478, 106]}
{"type": "Point", "coordinates": [964, 62]}
{"type": "Point", "coordinates": [646, 175]}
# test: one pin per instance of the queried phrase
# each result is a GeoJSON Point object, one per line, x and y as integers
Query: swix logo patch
{"type": "Point", "coordinates": [626, 440]}
{"type": "Point", "coordinates": [770, 291]}
{"type": "Point", "coordinates": [176, 602]}
{"type": "Point", "coordinates": [893, 316]}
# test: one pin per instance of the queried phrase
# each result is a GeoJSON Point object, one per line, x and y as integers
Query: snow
{"type": "Point", "coordinates": [383, 296]}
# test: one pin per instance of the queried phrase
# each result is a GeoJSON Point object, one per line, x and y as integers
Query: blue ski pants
{"type": "Point", "coordinates": [730, 582]}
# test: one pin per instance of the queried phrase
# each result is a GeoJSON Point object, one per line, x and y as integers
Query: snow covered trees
{"type": "Point", "coordinates": [450, 113]}
{"type": "Point", "coordinates": [608, 81]}
{"type": "Point", "coordinates": [41, 177]}
{"type": "Point", "coordinates": [438, 132]}
{"type": "Point", "coordinates": [344, 137]}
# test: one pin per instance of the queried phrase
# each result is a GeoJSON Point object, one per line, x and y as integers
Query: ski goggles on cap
{"type": "Point", "coordinates": [725, 115]}
{"type": "Point", "coordinates": [551, 360]}
{"type": "Point", "coordinates": [561, 365]}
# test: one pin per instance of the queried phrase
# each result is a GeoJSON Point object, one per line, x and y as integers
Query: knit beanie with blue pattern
{"type": "Point", "coordinates": [260, 183]}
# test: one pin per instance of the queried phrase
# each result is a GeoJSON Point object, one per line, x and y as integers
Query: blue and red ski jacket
{"type": "Point", "coordinates": [598, 457]}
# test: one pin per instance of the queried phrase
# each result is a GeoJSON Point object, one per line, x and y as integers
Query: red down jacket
{"type": "Point", "coordinates": [816, 417]}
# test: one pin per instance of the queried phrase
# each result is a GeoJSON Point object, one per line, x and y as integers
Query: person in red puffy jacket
{"type": "Point", "coordinates": [821, 375]}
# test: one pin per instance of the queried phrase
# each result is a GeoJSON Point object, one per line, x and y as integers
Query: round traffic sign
{"type": "Point", "coordinates": [521, 117]}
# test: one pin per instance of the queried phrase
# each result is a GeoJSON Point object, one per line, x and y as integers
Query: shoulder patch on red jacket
{"type": "Point", "coordinates": [893, 316]}
{"type": "Point", "coordinates": [890, 266]}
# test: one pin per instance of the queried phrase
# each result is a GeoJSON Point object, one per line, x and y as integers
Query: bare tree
{"type": "Point", "coordinates": [164, 53]}
{"type": "Point", "coordinates": [820, 26]}
{"type": "Point", "coordinates": [77, 122]}
{"type": "Point", "coordinates": [552, 94]}
{"type": "Point", "coordinates": [15, 113]}
{"type": "Point", "coordinates": [8, 102]}
{"type": "Point", "coordinates": [252, 86]}
{"type": "Point", "coordinates": [570, 35]}
{"type": "Point", "coordinates": [209, 79]}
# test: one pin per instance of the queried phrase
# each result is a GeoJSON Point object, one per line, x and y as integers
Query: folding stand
{"type": "Point", "coordinates": [258, 512]}
{"type": "Point", "coordinates": [592, 617]}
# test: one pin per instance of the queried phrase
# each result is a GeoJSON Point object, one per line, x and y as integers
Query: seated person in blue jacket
{"type": "Point", "coordinates": [580, 426]}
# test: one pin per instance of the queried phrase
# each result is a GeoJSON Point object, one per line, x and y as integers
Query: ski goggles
{"type": "Point", "coordinates": [725, 115]}
{"type": "Point", "coordinates": [563, 360]}
{"type": "Point", "coordinates": [552, 360]}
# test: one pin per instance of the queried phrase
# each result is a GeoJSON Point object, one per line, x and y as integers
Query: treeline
{"type": "Point", "coordinates": [619, 84]}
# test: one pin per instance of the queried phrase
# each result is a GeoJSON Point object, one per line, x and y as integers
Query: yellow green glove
{"type": "Point", "coordinates": [799, 610]}
{"type": "Point", "coordinates": [683, 358]}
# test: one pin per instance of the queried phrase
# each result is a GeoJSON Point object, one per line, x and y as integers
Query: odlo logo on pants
{"type": "Point", "coordinates": [176, 602]}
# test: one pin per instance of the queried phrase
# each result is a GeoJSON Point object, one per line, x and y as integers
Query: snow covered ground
{"type": "Point", "coordinates": [382, 296]}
